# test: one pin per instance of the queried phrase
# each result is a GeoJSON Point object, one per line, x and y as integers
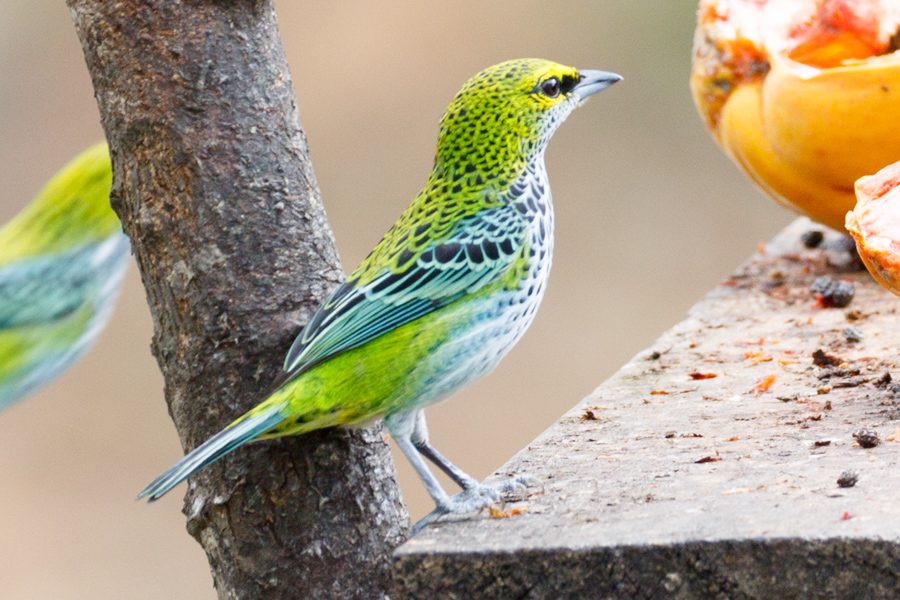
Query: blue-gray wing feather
{"type": "Point", "coordinates": [478, 251]}
{"type": "Point", "coordinates": [43, 289]}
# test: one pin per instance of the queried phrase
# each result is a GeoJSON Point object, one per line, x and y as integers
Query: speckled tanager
{"type": "Point", "coordinates": [61, 262]}
{"type": "Point", "coordinates": [444, 296]}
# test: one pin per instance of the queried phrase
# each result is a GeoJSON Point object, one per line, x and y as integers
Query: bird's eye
{"type": "Point", "coordinates": [550, 88]}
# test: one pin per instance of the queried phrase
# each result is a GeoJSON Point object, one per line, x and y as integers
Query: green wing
{"type": "Point", "coordinates": [474, 251]}
{"type": "Point", "coordinates": [42, 289]}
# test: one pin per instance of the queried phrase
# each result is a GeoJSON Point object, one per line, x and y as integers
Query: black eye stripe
{"type": "Point", "coordinates": [568, 83]}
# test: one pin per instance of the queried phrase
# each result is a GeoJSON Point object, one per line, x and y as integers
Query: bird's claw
{"type": "Point", "coordinates": [478, 497]}
{"type": "Point", "coordinates": [518, 486]}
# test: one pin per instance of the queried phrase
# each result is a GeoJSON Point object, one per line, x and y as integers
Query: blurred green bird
{"type": "Point", "coordinates": [444, 296]}
{"type": "Point", "coordinates": [61, 262]}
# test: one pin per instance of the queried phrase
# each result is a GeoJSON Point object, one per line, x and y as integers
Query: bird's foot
{"type": "Point", "coordinates": [477, 497]}
{"type": "Point", "coordinates": [517, 487]}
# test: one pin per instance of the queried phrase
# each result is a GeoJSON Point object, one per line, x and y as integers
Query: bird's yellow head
{"type": "Point", "coordinates": [72, 209]}
{"type": "Point", "coordinates": [504, 116]}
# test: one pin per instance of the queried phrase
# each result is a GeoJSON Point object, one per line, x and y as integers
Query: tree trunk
{"type": "Point", "coordinates": [213, 183]}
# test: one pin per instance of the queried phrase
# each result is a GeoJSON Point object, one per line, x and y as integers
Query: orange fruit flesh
{"type": "Point", "coordinates": [840, 30]}
{"type": "Point", "coordinates": [875, 225]}
{"type": "Point", "coordinates": [804, 95]}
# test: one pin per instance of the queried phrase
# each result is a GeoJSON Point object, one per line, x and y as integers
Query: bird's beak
{"type": "Point", "coordinates": [592, 82]}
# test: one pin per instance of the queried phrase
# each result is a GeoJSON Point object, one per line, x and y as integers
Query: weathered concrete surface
{"type": "Point", "coordinates": [662, 484]}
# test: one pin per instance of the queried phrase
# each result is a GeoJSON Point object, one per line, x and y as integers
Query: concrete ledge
{"type": "Point", "coordinates": [707, 467]}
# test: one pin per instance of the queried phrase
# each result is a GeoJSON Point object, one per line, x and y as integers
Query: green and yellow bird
{"type": "Point", "coordinates": [444, 296]}
{"type": "Point", "coordinates": [61, 262]}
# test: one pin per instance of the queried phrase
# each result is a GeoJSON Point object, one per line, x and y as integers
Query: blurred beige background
{"type": "Point", "coordinates": [650, 216]}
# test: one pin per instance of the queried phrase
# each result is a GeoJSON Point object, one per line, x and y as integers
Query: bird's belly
{"type": "Point", "coordinates": [491, 329]}
{"type": "Point", "coordinates": [416, 365]}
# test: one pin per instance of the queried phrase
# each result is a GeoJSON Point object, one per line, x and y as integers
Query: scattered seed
{"type": "Point", "coordinates": [812, 238]}
{"type": "Point", "coordinates": [829, 372]}
{"type": "Point", "coordinates": [697, 375]}
{"type": "Point", "coordinates": [821, 359]}
{"type": "Point", "coordinates": [848, 478]}
{"type": "Point", "coordinates": [845, 243]}
{"type": "Point", "coordinates": [867, 437]}
{"type": "Point", "coordinates": [832, 293]}
{"type": "Point", "coordinates": [852, 334]}
{"type": "Point", "coordinates": [853, 315]}
{"type": "Point", "coordinates": [849, 383]}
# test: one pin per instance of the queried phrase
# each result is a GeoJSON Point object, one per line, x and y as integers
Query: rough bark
{"type": "Point", "coordinates": [213, 182]}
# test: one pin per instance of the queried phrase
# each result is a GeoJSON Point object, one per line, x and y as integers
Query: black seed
{"type": "Point", "coordinates": [834, 293]}
{"type": "Point", "coordinates": [822, 359]}
{"type": "Point", "coordinates": [812, 238]}
{"type": "Point", "coordinates": [848, 478]}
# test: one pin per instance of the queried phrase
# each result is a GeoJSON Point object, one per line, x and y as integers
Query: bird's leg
{"type": "Point", "coordinates": [467, 501]}
{"type": "Point", "coordinates": [420, 441]}
{"type": "Point", "coordinates": [462, 479]}
{"type": "Point", "coordinates": [431, 483]}
{"type": "Point", "coordinates": [401, 427]}
{"type": "Point", "coordinates": [411, 435]}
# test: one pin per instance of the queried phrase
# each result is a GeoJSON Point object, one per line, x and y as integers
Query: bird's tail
{"type": "Point", "coordinates": [238, 433]}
